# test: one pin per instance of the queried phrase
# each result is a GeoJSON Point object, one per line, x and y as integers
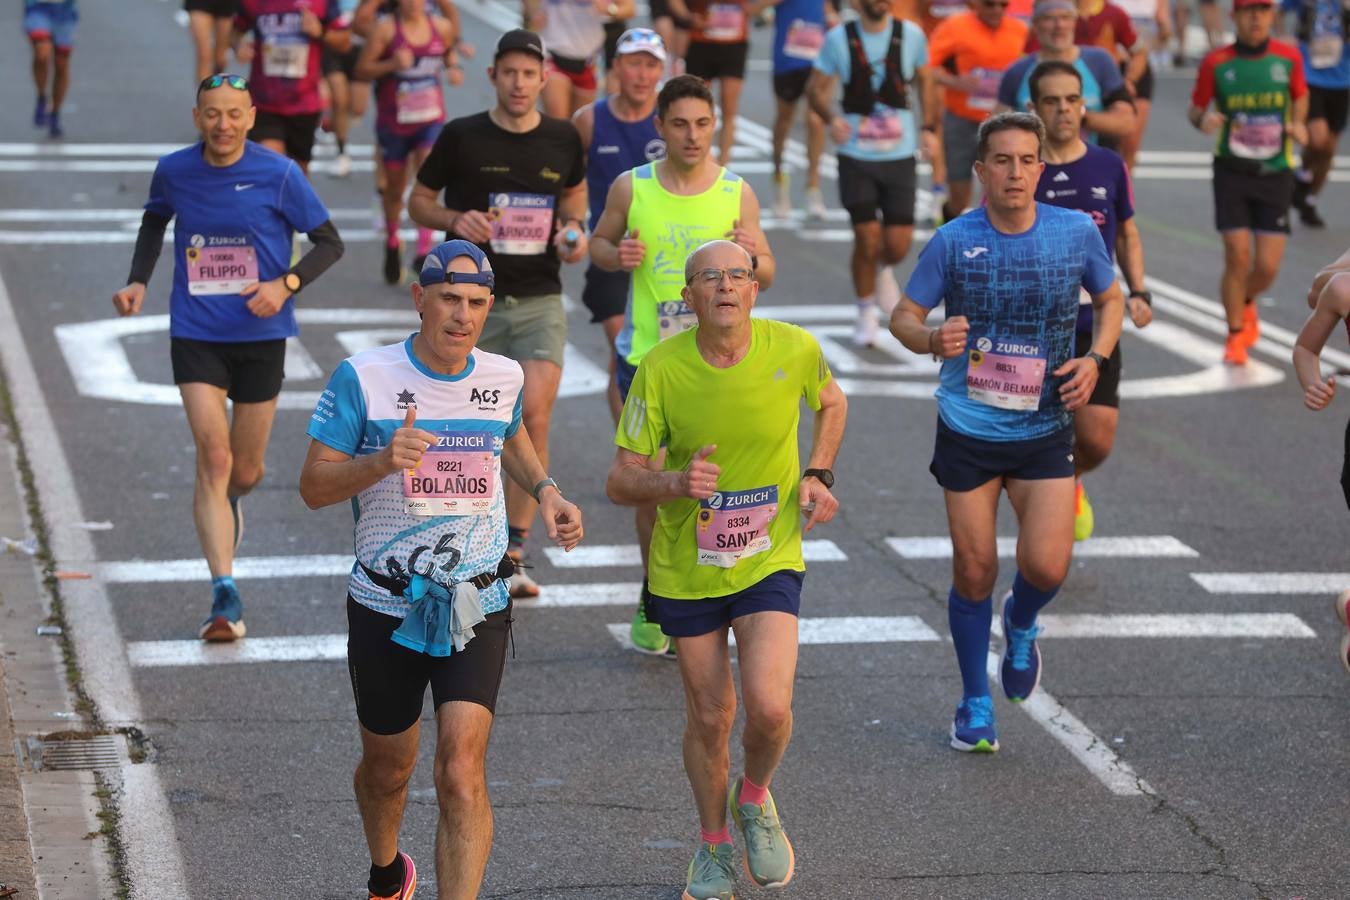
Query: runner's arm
{"type": "Point", "coordinates": [572, 206]}
{"type": "Point", "coordinates": [1117, 120]}
{"type": "Point", "coordinates": [632, 482]}
{"type": "Point", "coordinates": [1130, 254]}
{"type": "Point", "coordinates": [1333, 305]}
{"type": "Point", "coordinates": [613, 224]}
{"type": "Point", "coordinates": [1108, 315]}
{"type": "Point", "coordinates": [679, 9]}
{"type": "Point", "coordinates": [329, 476]}
{"type": "Point", "coordinates": [765, 265]}
{"type": "Point", "coordinates": [369, 66]}
{"type": "Point", "coordinates": [149, 243]}
{"type": "Point", "coordinates": [426, 210]}
{"type": "Point", "coordinates": [1138, 63]}
{"type": "Point", "coordinates": [561, 518]}
{"type": "Point", "coordinates": [328, 249]}
{"type": "Point", "coordinates": [928, 92]}
{"type": "Point", "coordinates": [819, 93]}
{"type": "Point", "coordinates": [583, 120]}
{"type": "Point", "coordinates": [828, 428]}
{"type": "Point", "coordinates": [363, 19]}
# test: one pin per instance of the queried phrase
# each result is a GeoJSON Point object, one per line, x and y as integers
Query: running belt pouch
{"type": "Point", "coordinates": [859, 97]}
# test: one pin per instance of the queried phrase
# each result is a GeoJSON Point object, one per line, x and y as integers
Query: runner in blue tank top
{"type": "Point", "coordinates": [1095, 181]}
{"type": "Point", "coordinates": [1009, 274]}
{"type": "Point", "coordinates": [619, 133]}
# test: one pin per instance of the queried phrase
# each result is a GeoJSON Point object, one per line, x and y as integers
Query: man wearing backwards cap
{"type": "Point", "coordinates": [417, 434]}
{"type": "Point", "coordinates": [1260, 99]}
{"type": "Point", "coordinates": [514, 182]}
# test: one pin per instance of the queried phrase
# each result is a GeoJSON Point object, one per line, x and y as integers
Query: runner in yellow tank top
{"type": "Point", "coordinates": [656, 216]}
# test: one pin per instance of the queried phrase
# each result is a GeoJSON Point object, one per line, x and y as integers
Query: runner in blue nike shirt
{"type": "Point", "coordinates": [1010, 274]}
{"type": "Point", "coordinates": [235, 206]}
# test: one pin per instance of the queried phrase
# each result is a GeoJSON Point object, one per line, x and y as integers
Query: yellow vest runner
{"type": "Point", "coordinates": [672, 226]}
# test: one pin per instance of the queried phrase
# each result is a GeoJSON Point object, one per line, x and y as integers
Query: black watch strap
{"type": "Point", "coordinates": [1097, 358]}
{"type": "Point", "coordinates": [1146, 296]}
{"type": "Point", "coordinates": [824, 476]}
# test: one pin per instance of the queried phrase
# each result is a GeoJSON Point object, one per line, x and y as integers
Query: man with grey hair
{"type": "Point", "coordinates": [1010, 274]}
{"type": "Point", "coordinates": [723, 399]}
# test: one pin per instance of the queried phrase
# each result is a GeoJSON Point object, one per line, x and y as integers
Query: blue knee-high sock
{"type": "Point", "coordinates": [969, 621]}
{"type": "Point", "coordinates": [1027, 601]}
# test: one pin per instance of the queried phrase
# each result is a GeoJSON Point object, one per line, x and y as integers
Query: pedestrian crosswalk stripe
{"type": "Point", "coordinates": [1272, 582]}
{"type": "Point", "coordinates": [595, 555]}
{"type": "Point", "coordinates": [1149, 546]}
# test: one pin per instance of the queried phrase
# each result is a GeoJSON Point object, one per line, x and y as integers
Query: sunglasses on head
{"type": "Point", "coordinates": [211, 82]}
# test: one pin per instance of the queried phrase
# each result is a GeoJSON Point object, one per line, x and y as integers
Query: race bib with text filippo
{"type": "Point", "coordinates": [220, 265]}
{"type": "Point", "coordinates": [735, 524]}
{"type": "Point", "coordinates": [455, 477]}
{"type": "Point", "coordinates": [520, 223]}
{"type": "Point", "coordinates": [1006, 374]}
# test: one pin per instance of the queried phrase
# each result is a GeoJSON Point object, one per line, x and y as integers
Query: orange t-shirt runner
{"type": "Point", "coordinates": [974, 48]}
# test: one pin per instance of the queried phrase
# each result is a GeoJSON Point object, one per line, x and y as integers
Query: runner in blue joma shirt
{"type": "Point", "coordinates": [1009, 274]}
{"type": "Point", "coordinates": [235, 206]}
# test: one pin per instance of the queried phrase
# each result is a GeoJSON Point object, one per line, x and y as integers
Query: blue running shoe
{"type": "Point", "coordinates": [226, 622]}
{"type": "Point", "coordinates": [1019, 670]}
{"type": "Point", "coordinates": [973, 727]}
{"type": "Point", "coordinates": [40, 113]}
{"type": "Point", "coordinates": [54, 125]}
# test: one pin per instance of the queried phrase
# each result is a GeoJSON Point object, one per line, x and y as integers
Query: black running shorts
{"type": "Point", "coordinates": [249, 371]}
{"type": "Point", "coordinates": [713, 61]}
{"type": "Point", "coordinates": [866, 186]}
{"type": "Point", "coordinates": [1252, 202]}
{"type": "Point", "coordinates": [389, 681]}
{"type": "Point", "coordinates": [1107, 391]}
{"type": "Point", "coordinates": [296, 132]}
{"type": "Point", "coordinates": [220, 9]}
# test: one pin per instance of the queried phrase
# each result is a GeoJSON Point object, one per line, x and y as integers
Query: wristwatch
{"type": "Point", "coordinates": [824, 476]}
{"type": "Point", "coordinates": [292, 282]}
{"type": "Point", "coordinates": [1146, 296]}
{"type": "Point", "coordinates": [547, 482]}
{"type": "Point", "coordinates": [1097, 358]}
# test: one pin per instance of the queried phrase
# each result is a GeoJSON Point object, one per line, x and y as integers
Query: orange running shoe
{"type": "Point", "coordinates": [1235, 350]}
{"type": "Point", "coordinates": [1251, 325]}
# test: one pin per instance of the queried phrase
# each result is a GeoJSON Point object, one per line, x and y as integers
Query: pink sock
{"type": "Point", "coordinates": [425, 238]}
{"type": "Point", "coordinates": [715, 837]}
{"type": "Point", "coordinates": [391, 234]}
{"type": "Point", "coordinates": [752, 793]}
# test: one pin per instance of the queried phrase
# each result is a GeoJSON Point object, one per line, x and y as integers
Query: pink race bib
{"type": "Point", "coordinates": [456, 477]}
{"type": "Point", "coordinates": [418, 102]}
{"type": "Point", "coordinates": [1259, 136]}
{"type": "Point", "coordinates": [985, 95]}
{"type": "Point", "coordinates": [726, 22]}
{"type": "Point", "coordinates": [733, 525]}
{"type": "Point", "coordinates": [521, 223]}
{"type": "Point", "coordinates": [880, 132]}
{"type": "Point", "coordinates": [804, 40]}
{"type": "Point", "coordinates": [1006, 374]}
{"type": "Point", "coordinates": [216, 267]}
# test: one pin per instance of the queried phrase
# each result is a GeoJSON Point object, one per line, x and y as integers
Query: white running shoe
{"type": "Point", "coordinates": [869, 324]}
{"type": "Point", "coordinates": [782, 195]}
{"type": "Point", "coordinates": [342, 166]}
{"type": "Point", "coordinates": [888, 290]}
{"type": "Point", "coordinates": [815, 204]}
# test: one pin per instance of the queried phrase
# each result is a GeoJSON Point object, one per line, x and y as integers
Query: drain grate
{"type": "Point", "coordinates": [103, 751]}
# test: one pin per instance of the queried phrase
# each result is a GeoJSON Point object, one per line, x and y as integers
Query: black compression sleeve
{"type": "Point", "coordinates": [149, 241]}
{"type": "Point", "coordinates": [327, 250]}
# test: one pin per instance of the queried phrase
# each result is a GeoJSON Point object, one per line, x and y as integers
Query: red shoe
{"type": "Point", "coordinates": [1251, 324]}
{"type": "Point", "coordinates": [1235, 350]}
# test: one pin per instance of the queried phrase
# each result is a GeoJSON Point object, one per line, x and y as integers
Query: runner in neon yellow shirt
{"type": "Point", "coordinates": [724, 399]}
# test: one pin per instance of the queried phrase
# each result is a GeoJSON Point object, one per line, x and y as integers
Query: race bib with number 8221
{"type": "Point", "coordinates": [455, 477]}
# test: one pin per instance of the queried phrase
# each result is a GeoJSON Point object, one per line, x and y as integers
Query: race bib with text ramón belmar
{"type": "Point", "coordinates": [1006, 373]}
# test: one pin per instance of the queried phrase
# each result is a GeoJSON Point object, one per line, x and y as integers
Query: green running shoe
{"type": "Point", "coordinates": [646, 636]}
{"type": "Point", "coordinates": [712, 874]}
{"type": "Point", "coordinates": [768, 853]}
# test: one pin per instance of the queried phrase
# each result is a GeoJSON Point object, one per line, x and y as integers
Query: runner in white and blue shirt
{"type": "Point", "coordinates": [418, 436]}
{"type": "Point", "coordinates": [1009, 274]}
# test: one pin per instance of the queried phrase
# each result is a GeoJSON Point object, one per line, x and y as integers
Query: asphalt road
{"type": "Point", "coordinates": [1192, 735]}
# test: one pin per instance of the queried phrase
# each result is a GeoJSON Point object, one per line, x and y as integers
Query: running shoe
{"type": "Point", "coordinates": [226, 622]}
{"type": "Point", "coordinates": [815, 204]}
{"type": "Point", "coordinates": [768, 852]}
{"type": "Point", "coordinates": [712, 874]}
{"type": "Point", "coordinates": [393, 264]}
{"type": "Point", "coordinates": [342, 166]}
{"type": "Point", "coordinates": [236, 509]}
{"type": "Point", "coordinates": [1082, 513]}
{"type": "Point", "coordinates": [521, 586]}
{"type": "Point", "coordinates": [1309, 216]}
{"type": "Point", "coordinates": [1251, 324]}
{"type": "Point", "coordinates": [646, 636]}
{"type": "Point", "coordinates": [54, 128]}
{"type": "Point", "coordinates": [40, 113]}
{"type": "Point", "coordinates": [409, 882]}
{"type": "Point", "coordinates": [1343, 613]}
{"type": "Point", "coordinates": [973, 726]}
{"type": "Point", "coordinates": [869, 324]}
{"type": "Point", "coordinates": [782, 195]}
{"type": "Point", "coordinates": [1235, 350]}
{"type": "Point", "coordinates": [1019, 670]}
{"type": "Point", "coordinates": [888, 291]}
{"type": "Point", "coordinates": [938, 206]}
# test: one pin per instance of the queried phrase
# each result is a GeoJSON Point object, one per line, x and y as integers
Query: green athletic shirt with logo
{"type": "Point", "coordinates": [750, 411]}
{"type": "Point", "coordinates": [672, 226]}
{"type": "Point", "coordinates": [1255, 92]}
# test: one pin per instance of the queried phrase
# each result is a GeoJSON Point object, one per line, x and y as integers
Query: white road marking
{"type": "Point", "coordinates": [1142, 547]}
{"type": "Point", "coordinates": [1175, 625]}
{"type": "Point", "coordinates": [1095, 754]}
{"type": "Point", "coordinates": [835, 630]}
{"type": "Point", "coordinates": [306, 648]}
{"type": "Point", "coordinates": [594, 555]}
{"type": "Point", "coordinates": [299, 365]}
{"type": "Point", "coordinates": [1214, 377]}
{"type": "Point", "coordinates": [139, 571]}
{"type": "Point", "coordinates": [152, 856]}
{"type": "Point", "coordinates": [1272, 582]}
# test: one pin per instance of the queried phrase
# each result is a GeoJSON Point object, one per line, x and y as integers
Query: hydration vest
{"type": "Point", "coordinates": [859, 96]}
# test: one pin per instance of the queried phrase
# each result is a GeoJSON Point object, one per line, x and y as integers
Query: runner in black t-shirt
{"type": "Point", "coordinates": [514, 182]}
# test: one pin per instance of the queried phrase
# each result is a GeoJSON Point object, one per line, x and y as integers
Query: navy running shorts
{"type": "Point", "coordinates": [963, 463]}
{"type": "Point", "coordinates": [779, 592]}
